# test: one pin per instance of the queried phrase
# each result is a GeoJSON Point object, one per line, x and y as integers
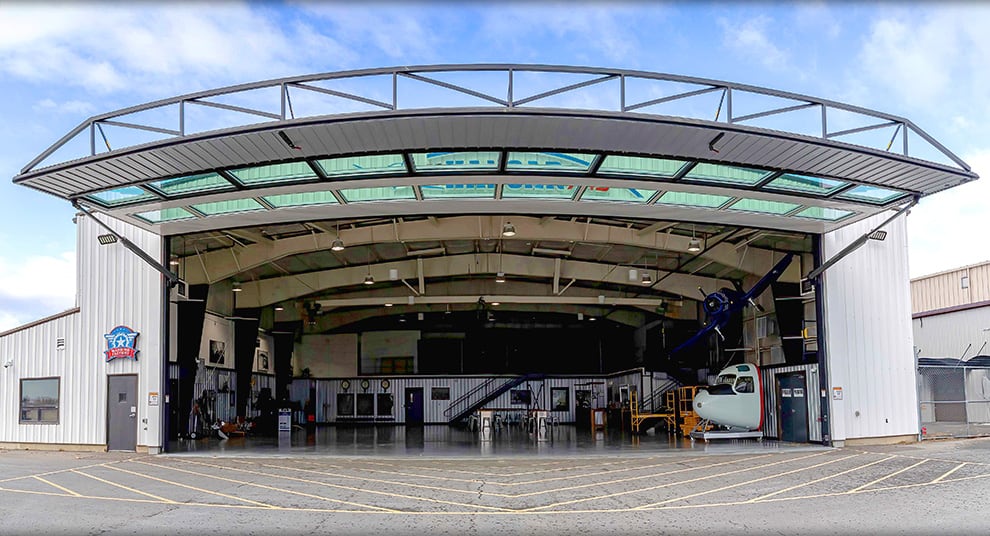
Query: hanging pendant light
{"type": "Point", "coordinates": [694, 245]}
{"type": "Point", "coordinates": [338, 244]}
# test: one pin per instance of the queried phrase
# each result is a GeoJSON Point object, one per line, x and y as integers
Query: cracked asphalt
{"type": "Point", "coordinates": [931, 487]}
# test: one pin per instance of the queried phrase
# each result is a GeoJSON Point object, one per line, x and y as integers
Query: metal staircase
{"type": "Point", "coordinates": [474, 399]}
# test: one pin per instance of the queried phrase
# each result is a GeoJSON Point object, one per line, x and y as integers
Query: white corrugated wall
{"type": "Point", "coordinates": [115, 287]}
{"type": "Point", "coordinates": [868, 334]}
{"type": "Point", "coordinates": [959, 335]}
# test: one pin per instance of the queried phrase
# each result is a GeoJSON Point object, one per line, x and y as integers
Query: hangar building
{"type": "Point", "coordinates": [408, 245]}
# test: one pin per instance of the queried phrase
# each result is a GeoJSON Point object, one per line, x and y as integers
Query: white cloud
{"type": "Point", "coordinates": [71, 107]}
{"type": "Point", "coordinates": [948, 230]}
{"type": "Point", "coordinates": [749, 39]}
{"type": "Point", "coordinates": [35, 286]}
{"type": "Point", "coordinates": [156, 48]}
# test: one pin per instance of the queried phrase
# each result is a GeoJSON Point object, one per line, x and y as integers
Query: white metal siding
{"type": "Point", "coordinates": [32, 354]}
{"type": "Point", "coordinates": [959, 335]}
{"type": "Point", "coordinates": [117, 288]}
{"type": "Point", "coordinates": [868, 330]}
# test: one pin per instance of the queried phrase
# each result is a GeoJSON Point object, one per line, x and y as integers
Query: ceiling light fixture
{"type": "Point", "coordinates": [646, 278]}
{"type": "Point", "coordinates": [508, 229]}
{"type": "Point", "coordinates": [694, 245]}
{"type": "Point", "coordinates": [173, 260]}
{"type": "Point", "coordinates": [279, 308]}
{"type": "Point", "coordinates": [500, 277]}
{"type": "Point", "coordinates": [236, 287]}
{"type": "Point", "coordinates": [338, 244]}
{"type": "Point", "coordinates": [369, 280]}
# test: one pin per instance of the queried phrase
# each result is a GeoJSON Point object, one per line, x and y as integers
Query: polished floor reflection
{"type": "Point", "coordinates": [443, 440]}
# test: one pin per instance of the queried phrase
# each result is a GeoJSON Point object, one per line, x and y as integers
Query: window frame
{"type": "Point", "coordinates": [58, 402]}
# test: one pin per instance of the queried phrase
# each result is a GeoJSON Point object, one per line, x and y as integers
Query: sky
{"type": "Point", "coordinates": [61, 63]}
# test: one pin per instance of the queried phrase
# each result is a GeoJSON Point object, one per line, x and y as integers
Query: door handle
{"type": "Point", "coordinates": [132, 415]}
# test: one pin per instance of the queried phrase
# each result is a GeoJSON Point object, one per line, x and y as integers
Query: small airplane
{"type": "Point", "coordinates": [735, 401]}
{"type": "Point", "coordinates": [725, 302]}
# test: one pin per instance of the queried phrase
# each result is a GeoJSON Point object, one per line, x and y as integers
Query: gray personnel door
{"type": "Point", "coordinates": [793, 399]}
{"type": "Point", "coordinates": [122, 412]}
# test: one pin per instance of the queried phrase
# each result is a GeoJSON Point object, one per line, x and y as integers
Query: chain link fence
{"type": "Point", "coordinates": [955, 400]}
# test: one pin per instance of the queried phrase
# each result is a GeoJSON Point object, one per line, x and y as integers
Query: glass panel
{"type": "Point", "coordinates": [169, 214]}
{"type": "Point", "coordinates": [290, 171]}
{"type": "Point", "coordinates": [568, 162]}
{"type": "Point", "coordinates": [296, 200]}
{"type": "Point", "coordinates": [693, 200]}
{"type": "Point", "coordinates": [804, 183]}
{"type": "Point", "coordinates": [871, 194]}
{"type": "Point", "coordinates": [226, 207]}
{"type": "Point", "coordinates": [540, 191]}
{"type": "Point", "coordinates": [446, 191]}
{"type": "Point", "coordinates": [763, 207]}
{"type": "Point", "coordinates": [39, 400]}
{"type": "Point", "coordinates": [381, 193]}
{"type": "Point", "coordinates": [206, 182]}
{"type": "Point", "coordinates": [127, 194]}
{"type": "Point", "coordinates": [821, 213]}
{"type": "Point", "coordinates": [726, 174]}
{"type": "Point", "coordinates": [629, 195]}
{"type": "Point", "coordinates": [636, 165]}
{"type": "Point", "coordinates": [466, 161]}
{"type": "Point", "coordinates": [362, 165]}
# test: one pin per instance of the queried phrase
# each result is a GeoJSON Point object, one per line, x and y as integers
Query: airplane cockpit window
{"type": "Point", "coordinates": [744, 384]}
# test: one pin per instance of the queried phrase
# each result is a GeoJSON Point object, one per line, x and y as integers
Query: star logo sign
{"type": "Point", "coordinates": [121, 343]}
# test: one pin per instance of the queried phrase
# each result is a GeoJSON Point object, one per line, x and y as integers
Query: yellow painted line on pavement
{"type": "Point", "coordinates": [520, 473]}
{"type": "Point", "coordinates": [949, 472]}
{"type": "Point", "coordinates": [54, 485]}
{"type": "Point", "coordinates": [121, 486]}
{"type": "Point", "coordinates": [349, 488]}
{"type": "Point", "coordinates": [668, 484]}
{"type": "Point", "coordinates": [57, 471]}
{"type": "Point", "coordinates": [881, 479]}
{"type": "Point", "coordinates": [194, 488]}
{"type": "Point", "coordinates": [748, 482]}
{"type": "Point", "coordinates": [822, 479]}
{"type": "Point", "coordinates": [270, 488]}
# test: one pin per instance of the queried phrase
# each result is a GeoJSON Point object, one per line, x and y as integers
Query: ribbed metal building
{"type": "Point", "coordinates": [405, 246]}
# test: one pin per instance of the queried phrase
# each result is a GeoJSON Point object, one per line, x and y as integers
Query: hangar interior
{"type": "Point", "coordinates": [413, 244]}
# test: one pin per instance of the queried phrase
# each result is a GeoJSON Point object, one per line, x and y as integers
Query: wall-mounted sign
{"type": "Point", "coordinates": [121, 343]}
{"type": "Point", "coordinates": [836, 393]}
{"type": "Point", "coordinates": [152, 398]}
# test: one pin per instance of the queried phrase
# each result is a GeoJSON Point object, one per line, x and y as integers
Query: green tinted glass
{"type": "Point", "coordinates": [226, 207]}
{"type": "Point", "coordinates": [192, 184]}
{"type": "Point", "coordinates": [871, 194]}
{"type": "Point", "coordinates": [827, 214]}
{"type": "Point", "coordinates": [120, 196]}
{"type": "Point", "coordinates": [362, 165]}
{"type": "Point", "coordinates": [804, 183]}
{"type": "Point", "coordinates": [297, 200]}
{"type": "Point", "coordinates": [637, 165]}
{"type": "Point", "coordinates": [288, 172]}
{"type": "Point", "coordinates": [763, 207]}
{"type": "Point", "coordinates": [551, 162]}
{"type": "Point", "coordinates": [448, 191]}
{"type": "Point", "coordinates": [725, 174]}
{"type": "Point", "coordinates": [605, 193]}
{"type": "Point", "coordinates": [381, 193]}
{"type": "Point", "coordinates": [693, 200]}
{"type": "Point", "coordinates": [538, 191]}
{"type": "Point", "coordinates": [168, 214]}
{"type": "Point", "coordinates": [466, 161]}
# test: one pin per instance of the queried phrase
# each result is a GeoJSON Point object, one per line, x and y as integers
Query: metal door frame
{"type": "Point", "coordinates": [136, 405]}
{"type": "Point", "coordinates": [780, 405]}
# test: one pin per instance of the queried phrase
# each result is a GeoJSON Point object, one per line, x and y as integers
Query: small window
{"type": "Point", "coordinates": [744, 384]}
{"type": "Point", "coordinates": [39, 400]}
{"type": "Point", "coordinates": [964, 281]}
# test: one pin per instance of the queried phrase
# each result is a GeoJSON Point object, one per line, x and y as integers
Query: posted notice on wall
{"type": "Point", "coordinates": [153, 398]}
{"type": "Point", "coordinates": [836, 393]}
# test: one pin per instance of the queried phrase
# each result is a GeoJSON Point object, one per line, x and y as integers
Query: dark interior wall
{"type": "Point", "coordinates": [245, 342]}
{"type": "Point", "coordinates": [190, 317]}
{"type": "Point", "coordinates": [790, 320]}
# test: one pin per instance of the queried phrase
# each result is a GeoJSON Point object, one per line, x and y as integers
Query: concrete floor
{"type": "Point", "coordinates": [446, 441]}
{"type": "Point", "coordinates": [936, 487]}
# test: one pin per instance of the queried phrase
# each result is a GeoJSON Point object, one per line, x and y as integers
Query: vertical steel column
{"type": "Point", "coordinates": [825, 397]}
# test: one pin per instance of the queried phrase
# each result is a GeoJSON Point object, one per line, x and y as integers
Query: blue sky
{"type": "Point", "coordinates": [62, 63]}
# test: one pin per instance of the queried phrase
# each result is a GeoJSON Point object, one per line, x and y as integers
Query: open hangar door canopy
{"type": "Point", "coordinates": [516, 215]}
